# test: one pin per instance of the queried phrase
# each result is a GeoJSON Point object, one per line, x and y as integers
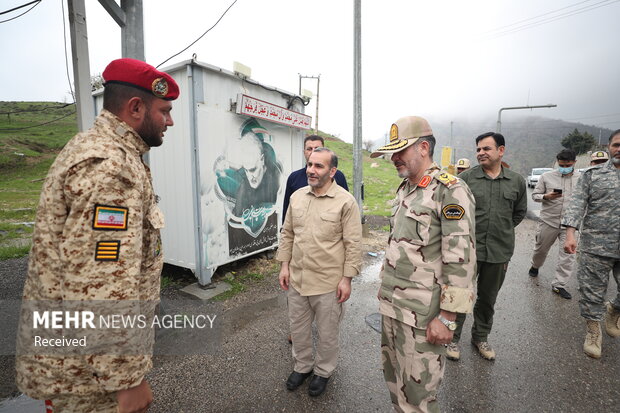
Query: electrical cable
{"type": "Point", "coordinates": [201, 36]}
{"type": "Point", "coordinates": [550, 19]}
{"type": "Point", "coordinates": [36, 3]}
{"type": "Point", "coordinates": [38, 110]}
{"type": "Point", "coordinates": [64, 36]}
{"type": "Point", "coordinates": [40, 124]}
{"type": "Point", "coordinates": [18, 7]}
{"type": "Point", "coordinates": [497, 29]}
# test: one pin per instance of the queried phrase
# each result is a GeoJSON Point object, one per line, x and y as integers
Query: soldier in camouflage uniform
{"type": "Point", "coordinates": [429, 265]}
{"type": "Point", "coordinates": [97, 238]}
{"type": "Point", "coordinates": [595, 207]}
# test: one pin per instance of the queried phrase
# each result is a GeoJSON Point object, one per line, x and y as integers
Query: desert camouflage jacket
{"type": "Point", "coordinates": [430, 260]}
{"type": "Point", "coordinates": [96, 238]}
{"type": "Point", "coordinates": [595, 207]}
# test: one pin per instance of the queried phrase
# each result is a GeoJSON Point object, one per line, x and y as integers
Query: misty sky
{"type": "Point", "coordinates": [445, 60]}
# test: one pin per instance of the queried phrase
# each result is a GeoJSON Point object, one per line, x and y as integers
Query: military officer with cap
{"type": "Point", "coordinates": [97, 237]}
{"type": "Point", "coordinates": [430, 262]}
{"type": "Point", "coordinates": [462, 164]}
{"type": "Point", "coordinates": [598, 157]}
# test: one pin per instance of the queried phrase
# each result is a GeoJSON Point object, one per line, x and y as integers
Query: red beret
{"type": "Point", "coordinates": [135, 73]}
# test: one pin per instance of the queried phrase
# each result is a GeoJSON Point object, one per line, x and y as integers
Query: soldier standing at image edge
{"type": "Point", "coordinates": [97, 239]}
{"type": "Point", "coordinates": [594, 210]}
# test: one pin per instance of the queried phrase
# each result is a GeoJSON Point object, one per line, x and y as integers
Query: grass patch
{"type": "Point", "coordinates": [238, 284]}
{"type": "Point", "coordinates": [167, 281]}
{"type": "Point", "coordinates": [12, 251]}
{"type": "Point", "coordinates": [380, 182]}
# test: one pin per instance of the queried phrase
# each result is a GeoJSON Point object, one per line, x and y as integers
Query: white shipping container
{"type": "Point", "coordinates": [220, 175]}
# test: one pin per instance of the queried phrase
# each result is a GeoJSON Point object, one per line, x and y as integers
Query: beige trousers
{"type": "Point", "coordinates": [545, 237]}
{"type": "Point", "coordinates": [327, 313]}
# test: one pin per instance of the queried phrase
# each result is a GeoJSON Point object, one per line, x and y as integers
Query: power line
{"type": "Point", "coordinates": [40, 124]}
{"type": "Point", "coordinates": [64, 36]}
{"type": "Point", "coordinates": [550, 19]}
{"type": "Point", "coordinates": [201, 36]}
{"type": "Point", "coordinates": [37, 110]}
{"type": "Point", "coordinates": [532, 18]}
{"type": "Point", "coordinates": [36, 3]}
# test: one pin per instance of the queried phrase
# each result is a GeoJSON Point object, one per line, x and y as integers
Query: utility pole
{"type": "Point", "coordinates": [84, 104]}
{"type": "Point", "coordinates": [357, 105]}
{"type": "Point", "coordinates": [129, 17]}
{"type": "Point", "coordinates": [316, 115]}
{"type": "Point", "coordinates": [499, 114]}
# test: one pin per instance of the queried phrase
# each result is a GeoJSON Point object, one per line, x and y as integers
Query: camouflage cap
{"type": "Point", "coordinates": [463, 163]}
{"type": "Point", "coordinates": [599, 155]}
{"type": "Point", "coordinates": [404, 133]}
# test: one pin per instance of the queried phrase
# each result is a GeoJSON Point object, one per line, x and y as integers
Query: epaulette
{"type": "Point", "coordinates": [446, 179]}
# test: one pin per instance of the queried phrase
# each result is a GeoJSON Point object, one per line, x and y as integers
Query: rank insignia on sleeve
{"type": "Point", "coordinates": [426, 179]}
{"type": "Point", "coordinates": [110, 218]}
{"type": "Point", "coordinates": [453, 211]}
{"type": "Point", "coordinates": [107, 250]}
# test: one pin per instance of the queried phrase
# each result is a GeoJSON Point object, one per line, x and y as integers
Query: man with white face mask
{"type": "Point", "coordinates": [554, 189]}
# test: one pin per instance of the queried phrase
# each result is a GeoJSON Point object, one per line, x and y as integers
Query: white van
{"type": "Point", "coordinates": [532, 179]}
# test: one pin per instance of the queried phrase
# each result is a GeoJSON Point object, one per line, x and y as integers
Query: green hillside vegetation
{"type": "Point", "coordinates": [26, 153]}
{"type": "Point", "coordinates": [380, 182]}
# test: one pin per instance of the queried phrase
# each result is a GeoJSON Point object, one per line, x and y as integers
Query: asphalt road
{"type": "Point", "coordinates": [537, 335]}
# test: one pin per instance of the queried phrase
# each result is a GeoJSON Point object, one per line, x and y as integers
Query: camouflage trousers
{"type": "Point", "coordinates": [593, 277]}
{"type": "Point", "coordinates": [412, 367]}
{"type": "Point", "coordinates": [97, 403]}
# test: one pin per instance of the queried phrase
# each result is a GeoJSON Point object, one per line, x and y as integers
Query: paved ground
{"type": "Point", "coordinates": [540, 365]}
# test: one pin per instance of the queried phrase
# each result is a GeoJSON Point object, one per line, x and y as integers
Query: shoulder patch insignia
{"type": "Point", "coordinates": [446, 179]}
{"type": "Point", "coordinates": [453, 211]}
{"type": "Point", "coordinates": [110, 218]}
{"type": "Point", "coordinates": [107, 250]}
{"type": "Point", "coordinates": [426, 179]}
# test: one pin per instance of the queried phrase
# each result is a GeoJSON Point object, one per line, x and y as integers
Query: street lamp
{"type": "Point", "coordinates": [499, 114]}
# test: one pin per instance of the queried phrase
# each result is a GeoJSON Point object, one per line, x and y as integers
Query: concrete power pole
{"type": "Point", "coordinates": [129, 17]}
{"type": "Point", "coordinates": [358, 177]}
{"type": "Point", "coordinates": [84, 103]}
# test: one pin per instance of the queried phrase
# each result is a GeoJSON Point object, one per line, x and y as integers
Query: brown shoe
{"type": "Point", "coordinates": [290, 339]}
{"type": "Point", "coordinates": [485, 349]}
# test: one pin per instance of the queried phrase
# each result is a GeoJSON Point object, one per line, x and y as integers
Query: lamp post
{"type": "Point", "coordinates": [499, 114]}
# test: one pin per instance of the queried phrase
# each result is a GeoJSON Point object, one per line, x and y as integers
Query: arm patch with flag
{"type": "Point", "coordinates": [110, 218]}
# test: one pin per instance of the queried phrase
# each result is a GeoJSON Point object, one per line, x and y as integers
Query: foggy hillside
{"type": "Point", "coordinates": [531, 141]}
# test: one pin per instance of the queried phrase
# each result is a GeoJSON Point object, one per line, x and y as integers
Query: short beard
{"type": "Point", "coordinates": [148, 131]}
{"type": "Point", "coordinates": [615, 161]}
{"type": "Point", "coordinates": [404, 174]}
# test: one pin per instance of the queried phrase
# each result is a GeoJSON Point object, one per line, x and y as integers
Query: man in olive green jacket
{"type": "Point", "coordinates": [501, 205]}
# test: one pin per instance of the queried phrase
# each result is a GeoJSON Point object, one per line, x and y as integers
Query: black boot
{"type": "Point", "coordinates": [317, 385]}
{"type": "Point", "coordinates": [296, 379]}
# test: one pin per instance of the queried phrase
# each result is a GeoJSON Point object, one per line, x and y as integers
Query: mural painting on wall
{"type": "Point", "coordinates": [248, 178]}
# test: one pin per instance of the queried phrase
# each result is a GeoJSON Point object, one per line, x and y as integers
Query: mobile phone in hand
{"type": "Point", "coordinates": [557, 191]}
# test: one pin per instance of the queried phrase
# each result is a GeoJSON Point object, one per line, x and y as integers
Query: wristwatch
{"type": "Point", "coordinates": [450, 324]}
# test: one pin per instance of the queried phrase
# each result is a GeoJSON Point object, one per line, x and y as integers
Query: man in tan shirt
{"type": "Point", "coordinates": [320, 253]}
{"type": "Point", "coordinates": [554, 190]}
